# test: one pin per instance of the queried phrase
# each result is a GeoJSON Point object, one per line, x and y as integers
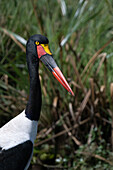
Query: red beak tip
{"type": "Point", "coordinates": [59, 76]}
{"type": "Point", "coordinates": [72, 93]}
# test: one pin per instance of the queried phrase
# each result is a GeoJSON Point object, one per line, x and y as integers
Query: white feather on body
{"type": "Point", "coordinates": [17, 131]}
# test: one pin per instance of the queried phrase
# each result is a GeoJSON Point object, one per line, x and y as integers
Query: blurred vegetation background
{"type": "Point", "coordinates": [74, 132]}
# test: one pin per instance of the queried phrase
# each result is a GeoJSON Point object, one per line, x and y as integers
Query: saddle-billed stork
{"type": "Point", "coordinates": [18, 135]}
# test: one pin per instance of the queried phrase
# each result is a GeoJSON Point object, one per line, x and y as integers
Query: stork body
{"type": "Point", "coordinates": [18, 135]}
{"type": "Point", "coordinates": [16, 143]}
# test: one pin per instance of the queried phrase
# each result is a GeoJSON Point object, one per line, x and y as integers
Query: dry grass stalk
{"type": "Point", "coordinates": [72, 112]}
{"type": "Point", "coordinates": [86, 98]}
{"type": "Point", "coordinates": [70, 134]}
{"type": "Point", "coordinates": [14, 39]}
{"type": "Point", "coordinates": [103, 119]}
{"type": "Point", "coordinates": [46, 131]}
{"type": "Point", "coordinates": [44, 91]}
{"type": "Point", "coordinates": [90, 134]}
{"type": "Point", "coordinates": [111, 92]}
{"type": "Point", "coordinates": [83, 103]}
{"type": "Point", "coordinates": [92, 90]}
{"type": "Point", "coordinates": [75, 84]}
{"type": "Point", "coordinates": [68, 121]}
{"type": "Point", "coordinates": [42, 133]}
{"type": "Point", "coordinates": [105, 74]}
{"type": "Point", "coordinates": [97, 156]}
{"type": "Point", "coordinates": [62, 132]}
{"type": "Point", "coordinates": [103, 55]}
{"type": "Point", "coordinates": [92, 60]}
{"type": "Point", "coordinates": [55, 101]}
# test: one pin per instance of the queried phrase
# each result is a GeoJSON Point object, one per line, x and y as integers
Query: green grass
{"type": "Point", "coordinates": [73, 38]}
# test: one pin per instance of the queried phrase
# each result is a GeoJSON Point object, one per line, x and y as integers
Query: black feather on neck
{"type": "Point", "coordinates": [33, 107]}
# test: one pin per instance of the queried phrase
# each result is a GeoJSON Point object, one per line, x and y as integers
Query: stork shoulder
{"type": "Point", "coordinates": [17, 131]}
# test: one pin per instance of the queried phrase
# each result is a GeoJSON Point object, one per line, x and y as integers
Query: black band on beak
{"type": "Point", "coordinates": [48, 61]}
{"type": "Point", "coordinates": [52, 66]}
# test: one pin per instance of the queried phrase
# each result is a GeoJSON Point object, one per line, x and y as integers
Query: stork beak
{"type": "Point", "coordinates": [50, 63]}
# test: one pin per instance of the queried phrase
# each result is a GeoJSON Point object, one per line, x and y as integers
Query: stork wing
{"type": "Point", "coordinates": [17, 157]}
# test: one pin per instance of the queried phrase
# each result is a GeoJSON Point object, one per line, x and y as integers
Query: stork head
{"type": "Point", "coordinates": [38, 49]}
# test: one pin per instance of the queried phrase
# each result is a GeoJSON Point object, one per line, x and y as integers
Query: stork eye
{"type": "Point", "coordinates": [37, 43]}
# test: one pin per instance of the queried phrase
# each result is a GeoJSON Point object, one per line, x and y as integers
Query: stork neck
{"type": "Point", "coordinates": [33, 107]}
